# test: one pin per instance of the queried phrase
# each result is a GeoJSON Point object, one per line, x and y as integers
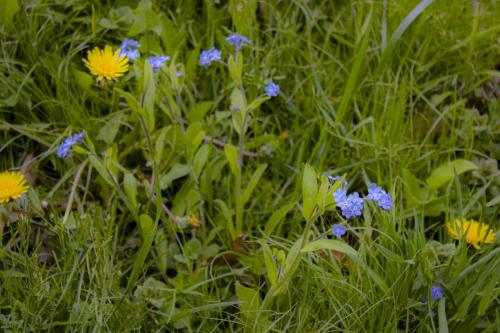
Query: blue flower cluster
{"type": "Point", "coordinates": [352, 205]}
{"type": "Point", "coordinates": [238, 41]}
{"type": "Point", "coordinates": [66, 146]}
{"type": "Point", "coordinates": [128, 48]}
{"type": "Point", "coordinates": [157, 62]}
{"type": "Point", "coordinates": [272, 89]}
{"type": "Point", "coordinates": [380, 196]}
{"type": "Point", "coordinates": [207, 56]}
{"type": "Point", "coordinates": [437, 293]}
{"type": "Point", "coordinates": [338, 230]}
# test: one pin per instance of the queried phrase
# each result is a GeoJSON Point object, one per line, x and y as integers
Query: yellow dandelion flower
{"type": "Point", "coordinates": [12, 186]}
{"type": "Point", "coordinates": [473, 232]}
{"type": "Point", "coordinates": [106, 64]}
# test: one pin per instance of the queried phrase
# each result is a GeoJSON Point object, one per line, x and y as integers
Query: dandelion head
{"type": "Point", "coordinates": [106, 64]}
{"type": "Point", "coordinates": [472, 231]}
{"type": "Point", "coordinates": [12, 186]}
{"type": "Point", "coordinates": [272, 89]}
{"type": "Point", "coordinates": [158, 62]}
{"type": "Point", "coordinates": [338, 230]}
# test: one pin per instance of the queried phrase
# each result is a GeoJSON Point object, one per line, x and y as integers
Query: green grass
{"type": "Point", "coordinates": [381, 91]}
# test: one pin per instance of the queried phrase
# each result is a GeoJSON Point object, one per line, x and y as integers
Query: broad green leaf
{"type": "Point", "coordinates": [83, 79]}
{"type": "Point", "coordinates": [130, 187]}
{"type": "Point", "coordinates": [149, 96]}
{"type": "Point", "coordinates": [417, 192]}
{"type": "Point", "coordinates": [177, 171]}
{"type": "Point", "coordinates": [257, 102]}
{"type": "Point", "coordinates": [253, 182]}
{"type": "Point", "coordinates": [147, 231]}
{"type": "Point", "coordinates": [447, 171]}
{"type": "Point", "coordinates": [200, 159]}
{"type": "Point", "coordinates": [250, 307]}
{"type": "Point", "coordinates": [132, 102]}
{"type": "Point", "coordinates": [160, 146]}
{"type": "Point", "coordinates": [232, 157]}
{"type": "Point", "coordinates": [8, 8]}
{"type": "Point", "coordinates": [330, 244]}
{"type": "Point", "coordinates": [309, 191]}
{"type": "Point", "coordinates": [271, 267]}
{"type": "Point", "coordinates": [243, 15]}
{"type": "Point", "coordinates": [161, 247]}
{"type": "Point", "coordinates": [110, 129]}
{"type": "Point", "coordinates": [443, 322]}
{"type": "Point", "coordinates": [199, 112]}
{"type": "Point", "coordinates": [276, 218]}
{"type": "Point", "coordinates": [236, 68]}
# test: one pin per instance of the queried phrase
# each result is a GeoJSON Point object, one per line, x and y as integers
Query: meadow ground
{"type": "Point", "coordinates": [191, 195]}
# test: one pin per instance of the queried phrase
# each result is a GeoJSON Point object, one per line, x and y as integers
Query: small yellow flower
{"type": "Point", "coordinates": [106, 64]}
{"type": "Point", "coordinates": [473, 232]}
{"type": "Point", "coordinates": [194, 221]}
{"type": "Point", "coordinates": [12, 186]}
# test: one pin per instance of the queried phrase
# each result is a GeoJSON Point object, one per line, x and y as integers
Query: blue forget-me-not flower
{"type": "Point", "coordinates": [380, 196]}
{"type": "Point", "coordinates": [129, 48]}
{"type": "Point", "coordinates": [338, 230]}
{"type": "Point", "coordinates": [66, 146]}
{"type": "Point", "coordinates": [207, 56]}
{"type": "Point", "coordinates": [437, 293]}
{"type": "Point", "coordinates": [351, 205]}
{"type": "Point", "coordinates": [157, 62]}
{"type": "Point", "coordinates": [272, 89]}
{"type": "Point", "coordinates": [238, 41]}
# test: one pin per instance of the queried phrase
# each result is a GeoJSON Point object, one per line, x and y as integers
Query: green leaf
{"type": "Point", "coordinates": [271, 267]}
{"type": "Point", "coordinates": [110, 129]}
{"type": "Point", "coordinates": [443, 322]}
{"type": "Point", "coordinates": [257, 102]}
{"type": "Point", "coordinates": [200, 159]}
{"type": "Point", "coordinates": [8, 8]}
{"type": "Point", "coordinates": [132, 102]}
{"type": "Point", "coordinates": [417, 192]}
{"type": "Point", "coordinates": [309, 191]}
{"type": "Point", "coordinates": [177, 171]}
{"type": "Point", "coordinates": [83, 79]}
{"type": "Point", "coordinates": [253, 182]}
{"type": "Point", "coordinates": [330, 244]}
{"type": "Point", "coordinates": [243, 15]}
{"type": "Point", "coordinates": [276, 218]}
{"type": "Point", "coordinates": [199, 112]}
{"type": "Point", "coordinates": [236, 68]}
{"type": "Point", "coordinates": [250, 306]}
{"type": "Point", "coordinates": [130, 187]}
{"type": "Point", "coordinates": [149, 96]}
{"type": "Point", "coordinates": [147, 232]}
{"type": "Point", "coordinates": [160, 146]}
{"type": "Point", "coordinates": [447, 171]}
{"type": "Point", "coordinates": [232, 157]}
